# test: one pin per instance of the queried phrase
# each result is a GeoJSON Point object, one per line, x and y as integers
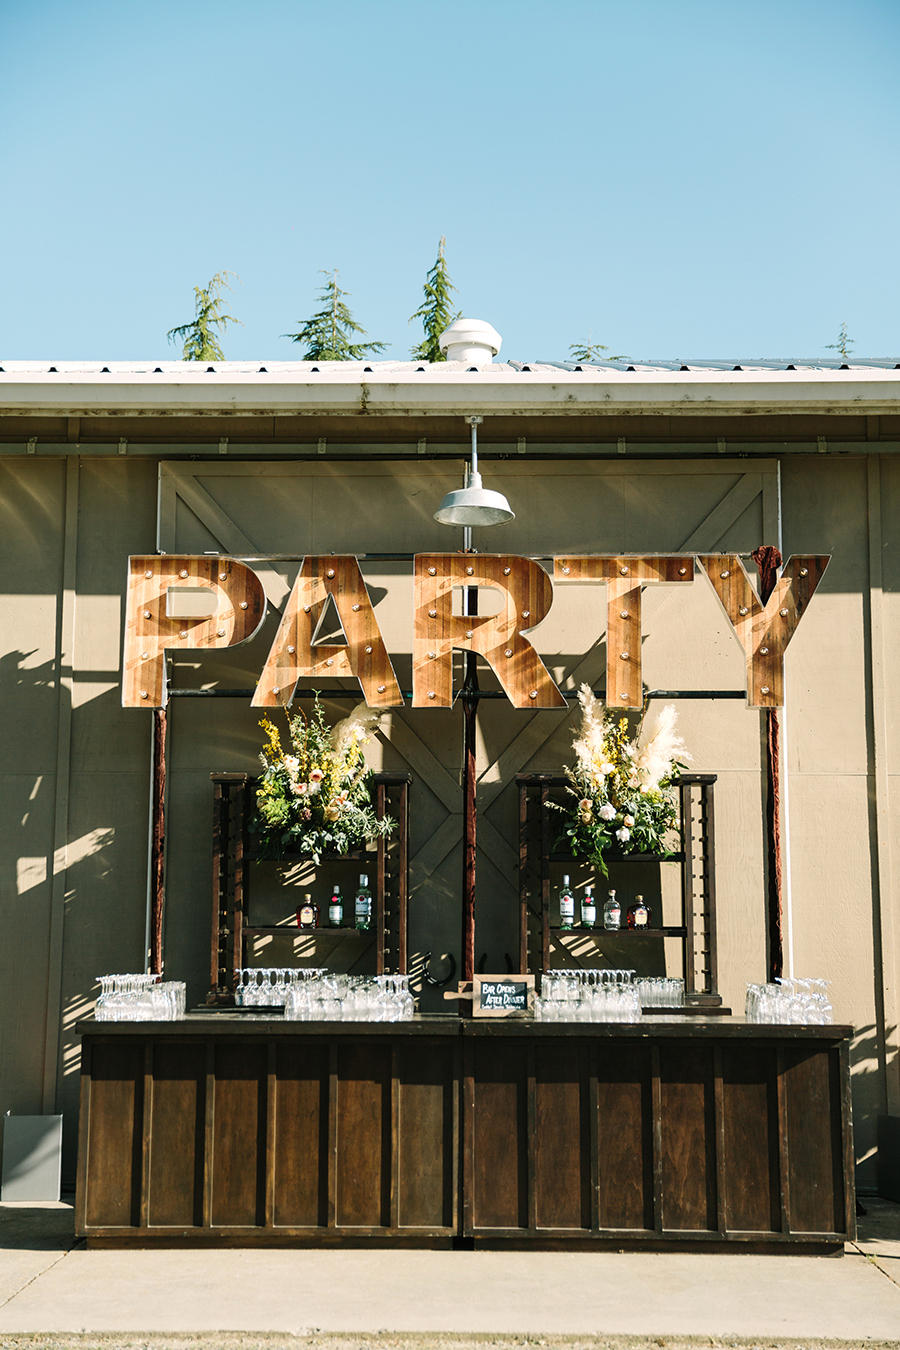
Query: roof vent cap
{"type": "Point", "coordinates": [474, 341]}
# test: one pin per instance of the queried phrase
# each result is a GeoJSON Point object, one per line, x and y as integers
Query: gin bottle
{"type": "Point", "coordinates": [336, 908]}
{"type": "Point", "coordinates": [363, 906]}
{"type": "Point", "coordinates": [566, 905]}
{"type": "Point", "coordinates": [612, 912]}
{"type": "Point", "coordinates": [588, 908]}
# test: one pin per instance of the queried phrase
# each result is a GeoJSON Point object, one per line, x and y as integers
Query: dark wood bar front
{"type": "Point", "coordinates": [241, 1129]}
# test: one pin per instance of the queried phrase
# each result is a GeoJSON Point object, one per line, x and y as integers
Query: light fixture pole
{"type": "Point", "coordinates": [471, 505]}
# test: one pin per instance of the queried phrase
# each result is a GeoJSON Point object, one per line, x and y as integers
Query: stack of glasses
{"type": "Point", "coordinates": [660, 992]}
{"type": "Point", "coordinates": [588, 996]}
{"type": "Point", "coordinates": [325, 997]}
{"type": "Point", "coordinates": [139, 998]}
{"type": "Point", "coordinates": [799, 1002]}
{"type": "Point", "coordinates": [268, 986]}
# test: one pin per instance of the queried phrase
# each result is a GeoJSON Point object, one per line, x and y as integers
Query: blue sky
{"type": "Point", "coordinates": [674, 178]}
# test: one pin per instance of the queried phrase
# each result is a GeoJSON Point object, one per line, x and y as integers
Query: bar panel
{"type": "Point", "coordinates": [624, 1138]}
{"type": "Point", "coordinates": [750, 1111]}
{"type": "Point", "coordinates": [425, 1135]}
{"type": "Point", "coordinates": [176, 1135]}
{"type": "Point", "coordinates": [114, 1136]}
{"type": "Point", "coordinates": [239, 1134]}
{"type": "Point", "coordinates": [814, 1142]}
{"type": "Point", "coordinates": [688, 1137]}
{"type": "Point", "coordinates": [499, 1135]}
{"type": "Point", "coordinates": [363, 1135]}
{"type": "Point", "coordinates": [301, 1134]}
{"type": "Point", "coordinates": [561, 1153]}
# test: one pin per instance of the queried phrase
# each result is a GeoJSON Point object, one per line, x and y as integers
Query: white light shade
{"type": "Point", "coordinates": [474, 505]}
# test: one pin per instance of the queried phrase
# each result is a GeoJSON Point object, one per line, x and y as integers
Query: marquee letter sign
{"type": "Point", "coordinates": [186, 602]}
{"type": "Point", "coordinates": [527, 595]}
{"type": "Point", "coordinates": [764, 633]}
{"type": "Point", "coordinates": [158, 619]}
{"type": "Point", "coordinates": [296, 652]}
{"type": "Point", "coordinates": [624, 579]}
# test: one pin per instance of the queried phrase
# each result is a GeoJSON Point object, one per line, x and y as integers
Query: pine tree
{"type": "Point", "coordinates": [435, 311]}
{"type": "Point", "coordinates": [327, 335]}
{"type": "Point", "coordinates": [844, 344]}
{"type": "Point", "coordinates": [200, 337]}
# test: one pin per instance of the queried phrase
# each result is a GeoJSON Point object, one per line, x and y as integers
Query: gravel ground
{"type": "Point", "coordinates": [425, 1341]}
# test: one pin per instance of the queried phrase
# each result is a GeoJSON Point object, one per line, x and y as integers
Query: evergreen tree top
{"type": "Point", "coordinates": [328, 334]}
{"type": "Point", "coordinates": [844, 344]}
{"type": "Point", "coordinates": [435, 310]}
{"type": "Point", "coordinates": [200, 337]}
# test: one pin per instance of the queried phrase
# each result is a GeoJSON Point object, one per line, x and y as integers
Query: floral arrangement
{"type": "Point", "coordinates": [623, 798]}
{"type": "Point", "coordinates": [313, 798]}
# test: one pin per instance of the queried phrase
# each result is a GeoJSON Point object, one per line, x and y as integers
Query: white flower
{"type": "Point", "coordinates": [623, 835]}
{"type": "Point", "coordinates": [316, 776]}
{"type": "Point", "coordinates": [585, 806]}
{"type": "Point", "coordinates": [629, 820]}
{"type": "Point", "coordinates": [606, 768]}
{"type": "Point", "coordinates": [298, 789]}
{"type": "Point", "coordinates": [292, 764]}
{"type": "Point", "coordinates": [607, 811]}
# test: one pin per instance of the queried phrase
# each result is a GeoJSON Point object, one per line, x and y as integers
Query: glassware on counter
{"type": "Point", "coordinates": [140, 998]}
{"type": "Point", "coordinates": [661, 992]}
{"type": "Point", "coordinates": [268, 986]}
{"type": "Point", "coordinates": [801, 1002]}
{"type": "Point", "coordinates": [327, 997]}
{"type": "Point", "coordinates": [588, 996]}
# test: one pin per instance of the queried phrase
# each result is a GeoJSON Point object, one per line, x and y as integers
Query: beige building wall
{"type": "Point", "coordinates": [74, 766]}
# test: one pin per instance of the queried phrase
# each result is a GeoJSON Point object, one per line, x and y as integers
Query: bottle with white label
{"type": "Point", "coordinates": [612, 913]}
{"type": "Point", "coordinates": [336, 908]}
{"type": "Point", "coordinates": [308, 913]}
{"type": "Point", "coordinates": [588, 908]}
{"type": "Point", "coordinates": [639, 914]}
{"type": "Point", "coordinates": [566, 905]}
{"type": "Point", "coordinates": [363, 906]}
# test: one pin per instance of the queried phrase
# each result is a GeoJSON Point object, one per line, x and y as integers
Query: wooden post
{"type": "Point", "coordinates": [158, 842]}
{"type": "Point", "coordinates": [470, 806]}
{"type": "Point", "coordinates": [768, 560]}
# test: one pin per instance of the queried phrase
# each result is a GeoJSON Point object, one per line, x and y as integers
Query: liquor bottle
{"type": "Point", "coordinates": [336, 908]}
{"type": "Point", "coordinates": [308, 913]}
{"type": "Point", "coordinates": [639, 914]}
{"type": "Point", "coordinates": [612, 912]}
{"type": "Point", "coordinates": [566, 905]}
{"type": "Point", "coordinates": [588, 908]}
{"type": "Point", "coordinates": [363, 906]}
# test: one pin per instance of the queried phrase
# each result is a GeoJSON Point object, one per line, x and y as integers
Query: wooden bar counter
{"type": "Point", "coordinates": [240, 1129]}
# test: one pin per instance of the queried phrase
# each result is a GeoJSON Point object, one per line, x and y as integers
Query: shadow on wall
{"type": "Point", "coordinates": [33, 904]}
{"type": "Point", "coordinates": [873, 1059]}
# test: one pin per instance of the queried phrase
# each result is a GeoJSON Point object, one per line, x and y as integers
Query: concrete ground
{"type": "Point", "coordinates": [54, 1293]}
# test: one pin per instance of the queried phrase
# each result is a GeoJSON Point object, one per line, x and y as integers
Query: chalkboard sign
{"type": "Point", "coordinates": [503, 996]}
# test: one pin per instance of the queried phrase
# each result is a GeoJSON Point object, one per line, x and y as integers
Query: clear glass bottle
{"type": "Point", "coordinates": [363, 905]}
{"type": "Point", "coordinates": [612, 912]}
{"type": "Point", "coordinates": [308, 913]}
{"type": "Point", "coordinates": [336, 908]}
{"type": "Point", "coordinates": [639, 914]}
{"type": "Point", "coordinates": [566, 905]}
{"type": "Point", "coordinates": [588, 908]}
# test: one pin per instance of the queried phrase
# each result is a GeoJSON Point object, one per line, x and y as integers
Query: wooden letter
{"type": "Point", "coordinates": [234, 610]}
{"type": "Point", "coordinates": [527, 595]}
{"type": "Point", "coordinates": [764, 633]}
{"type": "Point", "coordinates": [294, 653]}
{"type": "Point", "coordinates": [624, 578]}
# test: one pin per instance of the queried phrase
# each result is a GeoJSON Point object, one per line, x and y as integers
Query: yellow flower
{"type": "Point", "coordinates": [272, 746]}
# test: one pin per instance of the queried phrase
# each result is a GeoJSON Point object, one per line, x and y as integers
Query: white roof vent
{"type": "Point", "coordinates": [474, 341]}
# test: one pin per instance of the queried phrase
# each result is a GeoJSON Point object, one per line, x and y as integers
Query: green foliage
{"type": "Point", "coordinates": [314, 798]}
{"type": "Point", "coordinates": [200, 337]}
{"type": "Point", "coordinates": [590, 351]}
{"type": "Point", "coordinates": [435, 310]}
{"type": "Point", "coordinates": [328, 334]}
{"type": "Point", "coordinates": [844, 344]}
